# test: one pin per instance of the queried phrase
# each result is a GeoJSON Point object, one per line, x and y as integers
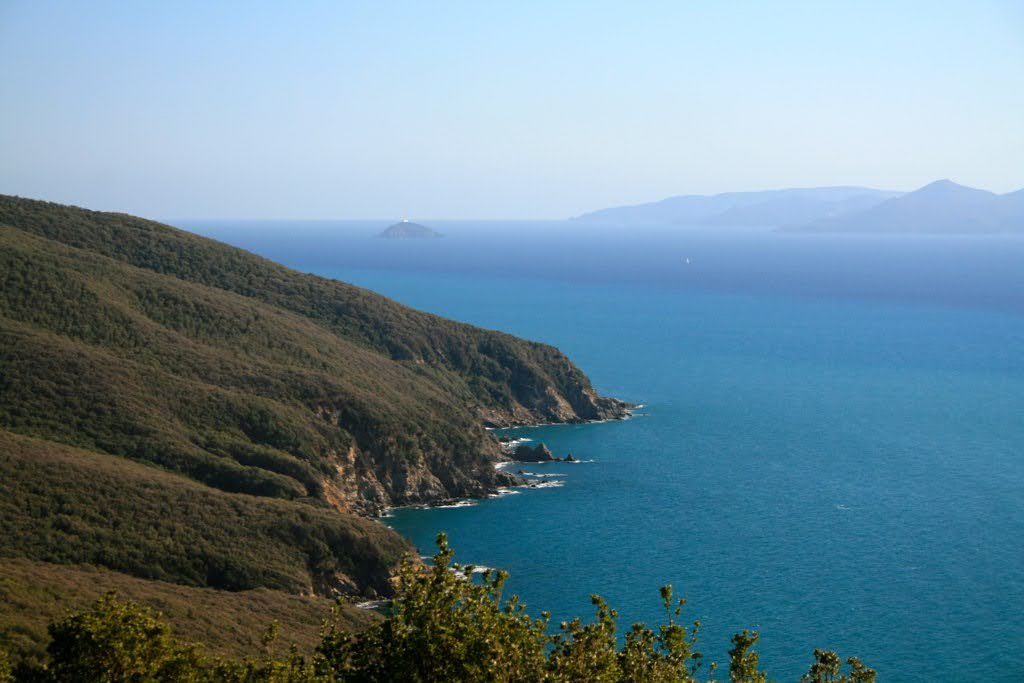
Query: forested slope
{"type": "Point", "coordinates": [137, 339]}
{"type": "Point", "coordinates": [176, 410]}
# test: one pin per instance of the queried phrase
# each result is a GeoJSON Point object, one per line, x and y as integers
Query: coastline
{"type": "Point", "coordinates": [627, 414]}
{"type": "Point", "coordinates": [502, 465]}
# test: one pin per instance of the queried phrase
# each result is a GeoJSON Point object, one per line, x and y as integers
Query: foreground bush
{"type": "Point", "coordinates": [442, 627]}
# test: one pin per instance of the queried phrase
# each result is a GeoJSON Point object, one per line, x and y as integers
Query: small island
{"type": "Point", "coordinates": [406, 230]}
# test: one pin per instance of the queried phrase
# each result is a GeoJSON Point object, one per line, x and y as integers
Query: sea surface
{"type": "Point", "coordinates": [831, 444]}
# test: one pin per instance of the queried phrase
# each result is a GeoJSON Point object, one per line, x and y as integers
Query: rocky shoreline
{"type": "Point", "coordinates": [594, 410]}
{"type": "Point", "coordinates": [516, 451]}
{"type": "Point", "coordinates": [539, 453]}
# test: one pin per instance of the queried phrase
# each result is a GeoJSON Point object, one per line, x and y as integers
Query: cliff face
{"type": "Point", "coordinates": [135, 339]}
{"type": "Point", "coordinates": [552, 407]}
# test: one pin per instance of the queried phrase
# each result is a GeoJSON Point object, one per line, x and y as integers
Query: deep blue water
{"type": "Point", "coordinates": [830, 449]}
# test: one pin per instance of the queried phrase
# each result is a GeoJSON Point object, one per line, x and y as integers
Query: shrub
{"type": "Point", "coordinates": [444, 626]}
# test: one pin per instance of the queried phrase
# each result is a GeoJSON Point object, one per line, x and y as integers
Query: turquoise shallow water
{"type": "Point", "coordinates": [830, 449]}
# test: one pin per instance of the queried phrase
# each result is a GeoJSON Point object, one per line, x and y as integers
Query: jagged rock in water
{"type": "Point", "coordinates": [538, 453]}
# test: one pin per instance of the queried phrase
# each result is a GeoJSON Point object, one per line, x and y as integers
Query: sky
{"type": "Point", "coordinates": [498, 110]}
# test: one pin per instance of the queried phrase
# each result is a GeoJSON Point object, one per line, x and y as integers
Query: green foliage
{"type": "Point", "coordinates": [499, 370]}
{"type": "Point", "coordinates": [133, 338]}
{"type": "Point", "coordinates": [743, 659]}
{"type": "Point", "coordinates": [122, 642]}
{"type": "Point", "coordinates": [69, 506]}
{"type": "Point", "coordinates": [261, 401]}
{"type": "Point", "coordinates": [443, 627]}
{"type": "Point", "coordinates": [446, 627]}
{"type": "Point", "coordinates": [116, 641]}
{"type": "Point", "coordinates": [231, 623]}
{"type": "Point", "coordinates": [827, 668]}
{"type": "Point", "coordinates": [667, 655]}
{"type": "Point", "coordinates": [128, 338]}
{"type": "Point", "coordinates": [227, 390]}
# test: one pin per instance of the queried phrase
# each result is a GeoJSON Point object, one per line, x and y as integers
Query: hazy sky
{"type": "Point", "coordinates": [505, 110]}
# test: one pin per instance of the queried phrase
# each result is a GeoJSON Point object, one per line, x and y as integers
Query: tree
{"type": "Point", "coordinates": [444, 626]}
{"type": "Point", "coordinates": [827, 668]}
{"type": "Point", "coordinates": [118, 641]}
{"type": "Point", "coordinates": [743, 660]}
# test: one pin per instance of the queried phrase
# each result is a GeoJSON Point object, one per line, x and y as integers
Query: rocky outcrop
{"type": "Point", "coordinates": [538, 453]}
{"type": "Point", "coordinates": [554, 407]}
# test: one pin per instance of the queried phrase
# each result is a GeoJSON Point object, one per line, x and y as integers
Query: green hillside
{"type": "Point", "coordinates": [33, 594]}
{"type": "Point", "coordinates": [176, 412]}
{"type": "Point", "coordinates": [133, 338]}
{"type": "Point", "coordinates": [69, 506]}
{"type": "Point", "coordinates": [206, 433]}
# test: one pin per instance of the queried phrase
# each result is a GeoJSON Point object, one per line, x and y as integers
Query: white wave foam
{"type": "Point", "coordinates": [460, 572]}
{"type": "Point", "coordinates": [504, 491]}
{"type": "Point", "coordinates": [549, 484]}
{"type": "Point", "coordinates": [456, 504]}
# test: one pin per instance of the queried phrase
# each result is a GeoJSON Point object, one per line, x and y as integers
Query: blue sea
{"type": "Point", "coordinates": [831, 444]}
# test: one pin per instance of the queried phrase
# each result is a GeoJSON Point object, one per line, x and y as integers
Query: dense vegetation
{"type": "Point", "coordinates": [443, 627]}
{"type": "Point", "coordinates": [228, 623]}
{"type": "Point", "coordinates": [136, 339]}
{"type": "Point", "coordinates": [177, 410]}
{"type": "Point", "coordinates": [504, 374]}
{"type": "Point", "coordinates": [69, 506]}
{"type": "Point", "coordinates": [201, 430]}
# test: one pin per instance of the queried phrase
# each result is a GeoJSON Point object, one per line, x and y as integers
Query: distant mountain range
{"type": "Point", "coordinates": [940, 207]}
{"type": "Point", "coordinates": [771, 207]}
